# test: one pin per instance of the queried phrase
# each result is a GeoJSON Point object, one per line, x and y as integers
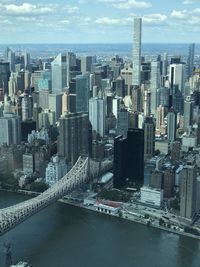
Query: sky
{"type": "Point", "coordinates": [98, 21]}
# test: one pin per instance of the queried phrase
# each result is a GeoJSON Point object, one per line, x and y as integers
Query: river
{"type": "Point", "coordinates": [67, 236]}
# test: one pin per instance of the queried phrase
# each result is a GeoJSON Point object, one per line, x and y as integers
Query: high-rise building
{"type": "Point", "coordinates": [149, 137]}
{"type": "Point", "coordinates": [120, 86]}
{"type": "Point", "coordinates": [137, 36]}
{"type": "Point", "coordinates": [12, 84]}
{"type": "Point", "coordinates": [73, 136]}
{"type": "Point", "coordinates": [59, 73]}
{"type": "Point", "coordinates": [4, 76]}
{"type": "Point", "coordinates": [188, 107]}
{"type": "Point", "coordinates": [46, 118]}
{"type": "Point", "coordinates": [190, 60]}
{"type": "Point", "coordinates": [10, 133]}
{"type": "Point", "coordinates": [129, 158]}
{"type": "Point", "coordinates": [154, 84]}
{"type": "Point", "coordinates": [163, 97]}
{"type": "Point", "coordinates": [177, 100]}
{"type": "Point", "coordinates": [35, 77]}
{"type": "Point", "coordinates": [97, 115]}
{"type": "Point", "coordinates": [169, 182]}
{"type": "Point", "coordinates": [27, 107]}
{"type": "Point", "coordinates": [82, 93]}
{"type": "Point", "coordinates": [177, 76]}
{"type": "Point", "coordinates": [147, 103]}
{"type": "Point", "coordinates": [188, 189]}
{"type": "Point", "coordinates": [44, 83]}
{"type": "Point", "coordinates": [136, 99]}
{"type": "Point", "coordinates": [55, 104]}
{"type": "Point", "coordinates": [10, 57]}
{"type": "Point", "coordinates": [164, 64]}
{"type": "Point", "coordinates": [127, 74]}
{"type": "Point", "coordinates": [171, 125]}
{"type": "Point", "coordinates": [122, 122]}
{"type": "Point", "coordinates": [26, 60]}
{"type": "Point", "coordinates": [86, 62]}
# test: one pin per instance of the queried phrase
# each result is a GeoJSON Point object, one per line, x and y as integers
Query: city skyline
{"type": "Point", "coordinates": [111, 21]}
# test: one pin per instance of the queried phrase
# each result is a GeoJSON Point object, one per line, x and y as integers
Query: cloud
{"type": "Point", "coordinates": [26, 19]}
{"type": "Point", "coordinates": [65, 21]}
{"type": "Point", "coordinates": [71, 9]}
{"type": "Point", "coordinates": [127, 4]}
{"type": "Point", "coordinates": [107, 21]}
{"type": "Point", "coordinates": [188, 2]}
{"type": "Point", "coordinates": [28, 9]}
{"type": "Point", "coordinates": [156, 19]}
{"type": "Point", "coordinates": [179, 14]}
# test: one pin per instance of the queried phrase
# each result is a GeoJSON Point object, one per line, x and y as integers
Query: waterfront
{"type": "Point", "coordinates": [63, 235]}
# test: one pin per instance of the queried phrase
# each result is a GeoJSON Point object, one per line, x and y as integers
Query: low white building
{"type": "Point", "coordinates": [151, 196]}
{"type": "Point", "coordinates": [106, 209]}
{"type": "Point", "coordinates": [55, 170]}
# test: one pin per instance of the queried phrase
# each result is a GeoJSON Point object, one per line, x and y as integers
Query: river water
{"type": "Point", "coordinates": [67, 236]}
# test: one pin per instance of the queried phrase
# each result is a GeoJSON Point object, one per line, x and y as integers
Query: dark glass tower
{"type": "Point", "coordinates": [129, 158]}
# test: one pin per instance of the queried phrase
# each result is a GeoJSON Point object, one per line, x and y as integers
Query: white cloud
{"type": "Point", "coordinates": [188, 2]}
{"type": "Point", "coordinates": [28, 9]}
{"type": "Point", "coordinates": [65, 21]}
{"type": "Point", "coordinates": [127, 4]}
{"type": "Point", "coordinates": [71, 9]}
{"type": "Point", "coordinates": [107, 21]}
{"type": "Point", "coordinates": [26, 19]}
{"type": "Point", "coordinates": [183, 14]}
{"type": "Point", "coordinates": [156, 19]}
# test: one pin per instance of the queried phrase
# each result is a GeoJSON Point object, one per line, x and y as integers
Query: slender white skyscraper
{"type": "Point", "coordinates": [137, 36]}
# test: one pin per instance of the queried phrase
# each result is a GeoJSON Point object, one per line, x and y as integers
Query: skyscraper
{"type": "Point", "coordinates": [59, 73]}
{"type": "Point", "coordinates": [188, 189]}
{"type": "Point", "coordinates": [171, 125]}
{"type": "Point", "coordinates": [10, 129]}
{"type": "Point", "coordinates": [177, 76]}
{"type": "Point", "coordinates": [4, 76]}
{"type": "Point", "coordinates": [73, 138]}
{"type": "Point", "coordinates": [190, 61]}
{"type": "Point", "coordinates": [155, 84]}
{"type": "Point", "coordinates": [149, 137]}
{"type": "Point", "coordinates": [82, 93]}
{"type": "Point", "coordinates": [129, 158]}
{"type": "Point", "coordinates": [97, 115]}
{"type": "Point", "coordinates": [137, 36]}
{"type": "Point", "coordinates": [188, 106]}
{"type": "Point", "coordinates": [55, 104]}
{"type": "Point", "coordinates": [86, 62]}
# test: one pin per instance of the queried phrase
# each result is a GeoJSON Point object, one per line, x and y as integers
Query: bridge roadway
{"type": "Point", "coordinates": [14, 215]}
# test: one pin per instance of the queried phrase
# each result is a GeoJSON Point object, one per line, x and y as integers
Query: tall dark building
{"type": "Point", "coordinates": [190, 60]}
{"type": "Point", "coordinates": [4, 76]}
{"type": "Point", "coordinates": [149, 137]}
{"type": "Point", "coordinates": [129, 158]}
{"type": "Point", "coordinates": [73, 137]}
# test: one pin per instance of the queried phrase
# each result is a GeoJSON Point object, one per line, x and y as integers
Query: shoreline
{"type": "Point", "coordinates": [91, 208]}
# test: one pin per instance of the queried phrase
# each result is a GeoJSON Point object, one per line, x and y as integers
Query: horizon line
{"type": "Point", "coordinates": [91, 43]}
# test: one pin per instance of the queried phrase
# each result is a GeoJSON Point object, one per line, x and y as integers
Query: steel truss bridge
{"type": "Point", "coordinates": [77, 176]}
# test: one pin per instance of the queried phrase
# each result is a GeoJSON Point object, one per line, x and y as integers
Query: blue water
{"type": "Point", "coordinates": [62, 236]}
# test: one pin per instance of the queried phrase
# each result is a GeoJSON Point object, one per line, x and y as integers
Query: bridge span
{"type": "Point", "coordinates": [81, 172]}
{"type": "Point", "coordinates": [14, 215]}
